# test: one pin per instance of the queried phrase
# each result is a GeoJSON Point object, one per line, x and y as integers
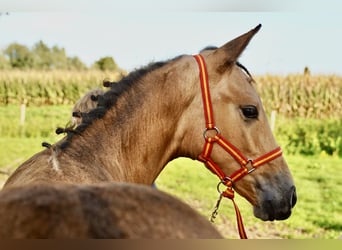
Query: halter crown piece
{"type": "Point", "coordinates": [205, 156]}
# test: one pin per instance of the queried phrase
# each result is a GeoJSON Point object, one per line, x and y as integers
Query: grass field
{"type": "Point", "coordinates": [318, 213]}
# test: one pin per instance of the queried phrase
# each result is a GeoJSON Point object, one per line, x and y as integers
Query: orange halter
{"type": "Point", "coordinates": [205, 156]}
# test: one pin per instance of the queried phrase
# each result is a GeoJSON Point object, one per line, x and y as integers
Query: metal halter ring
{"type": "Point", "coordinates": [223, 183]}
{"type": "Point", "coordinates": [252, 169]}
{"type": "Point", "coordinates": [211, 129]}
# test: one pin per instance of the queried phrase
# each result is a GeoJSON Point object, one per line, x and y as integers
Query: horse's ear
{"type": "Point", "coordinates": [229, 53]}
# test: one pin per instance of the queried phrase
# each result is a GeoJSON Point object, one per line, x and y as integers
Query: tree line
{"type": "Point", "coordinates": [43, 57]}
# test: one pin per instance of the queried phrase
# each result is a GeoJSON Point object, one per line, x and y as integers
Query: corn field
{"type": "Point", "coordinates": [39, 88]}
{"type": "Point", "coordinates": [302, 95]}
{"type": "Point", "coordinates": [291, 96]}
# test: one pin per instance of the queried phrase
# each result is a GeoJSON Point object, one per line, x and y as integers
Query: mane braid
{"type": "Point", "coordinates": [109, 98]}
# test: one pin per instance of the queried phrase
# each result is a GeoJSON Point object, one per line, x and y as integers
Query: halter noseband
{"type": "Point", "coordinates": [216, 137]}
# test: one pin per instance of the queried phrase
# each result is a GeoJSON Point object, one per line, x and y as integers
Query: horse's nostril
{"type": "Point", "coordinates": [293, 197]}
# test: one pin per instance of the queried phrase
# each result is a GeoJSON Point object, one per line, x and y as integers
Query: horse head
{"type": "Point", "coordinates": [228, 118]}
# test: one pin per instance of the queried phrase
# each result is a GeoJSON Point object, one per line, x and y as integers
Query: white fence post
{"type": "Point", "coordinates": [22, 113]}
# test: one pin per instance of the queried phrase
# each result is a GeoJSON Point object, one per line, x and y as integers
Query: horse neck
{"type": "Point", "coordinates": [136, 137]}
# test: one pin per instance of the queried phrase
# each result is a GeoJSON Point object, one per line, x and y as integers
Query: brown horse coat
{"type": "Point", "coordinates": [118, 210]}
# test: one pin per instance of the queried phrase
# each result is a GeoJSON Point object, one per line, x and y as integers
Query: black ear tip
{"type": "Point", "coordinates": [258, 27]}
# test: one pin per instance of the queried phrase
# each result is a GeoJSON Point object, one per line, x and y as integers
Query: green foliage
{"type": "Point", "coordinates": [19, 56]}
{"type": "Point", "coordinates": [74, 63]}
{"type": "Point", "coordinates": [106, 63]}
{"type": "Point", "coordinates": [310, 137]}
{"type": "Point", "coordinates": [4, 63]}
{"type": "Point", "coordinates": [40, 57]}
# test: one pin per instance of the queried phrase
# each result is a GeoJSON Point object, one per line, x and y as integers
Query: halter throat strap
{"type": "Point", "coordinates": [212, 135]}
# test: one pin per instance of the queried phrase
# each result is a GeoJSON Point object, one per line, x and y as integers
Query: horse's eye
{"type": "Point", "coordinates": [250, 111]}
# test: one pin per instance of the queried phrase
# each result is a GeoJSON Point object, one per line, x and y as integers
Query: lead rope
{"type": "Point", "coordinates": [229, 193]}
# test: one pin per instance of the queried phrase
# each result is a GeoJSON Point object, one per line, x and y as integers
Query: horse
{"type": "Point", "coordinates": [204, 107]}
{"type": "Point", "coordinates": [108, 210]}
{"type": "Point", "coordinates": [84, 105]}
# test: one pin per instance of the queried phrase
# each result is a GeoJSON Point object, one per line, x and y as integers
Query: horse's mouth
{"type": "Point", "coordinates": [272, 214]}
{"type": "Point", "coordinates": [271, 209]}
{"type": "Point", "coordinates": [268, 213]}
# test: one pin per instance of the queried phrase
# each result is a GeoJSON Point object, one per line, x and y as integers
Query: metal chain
{"type": "Point", "coordinates": [215, 212]}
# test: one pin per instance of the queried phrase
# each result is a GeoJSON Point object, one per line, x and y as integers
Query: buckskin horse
{"type": "Point", "coordinates": [203, 107]}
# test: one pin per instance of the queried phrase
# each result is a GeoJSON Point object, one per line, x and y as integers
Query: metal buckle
{"type": "Point", "coordinates": [250, 161]}
{"type": "Point", "coordinates": [217, 132]}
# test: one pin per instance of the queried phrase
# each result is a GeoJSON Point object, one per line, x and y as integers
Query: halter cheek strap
{"type": "Point", "coordinates": [213, 135]}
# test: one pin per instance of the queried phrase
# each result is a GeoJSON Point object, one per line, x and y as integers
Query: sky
{"type": "Point", "coordinates": [294, 35]}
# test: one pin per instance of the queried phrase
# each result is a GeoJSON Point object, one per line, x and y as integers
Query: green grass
{"type": "Point", "coordinates": [16, 150]}
{"type": "Point", "coordinates": [39, 121]}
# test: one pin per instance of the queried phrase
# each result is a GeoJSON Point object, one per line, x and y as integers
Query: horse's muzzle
{"type": "Point", "coordinates": [272, 208]}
